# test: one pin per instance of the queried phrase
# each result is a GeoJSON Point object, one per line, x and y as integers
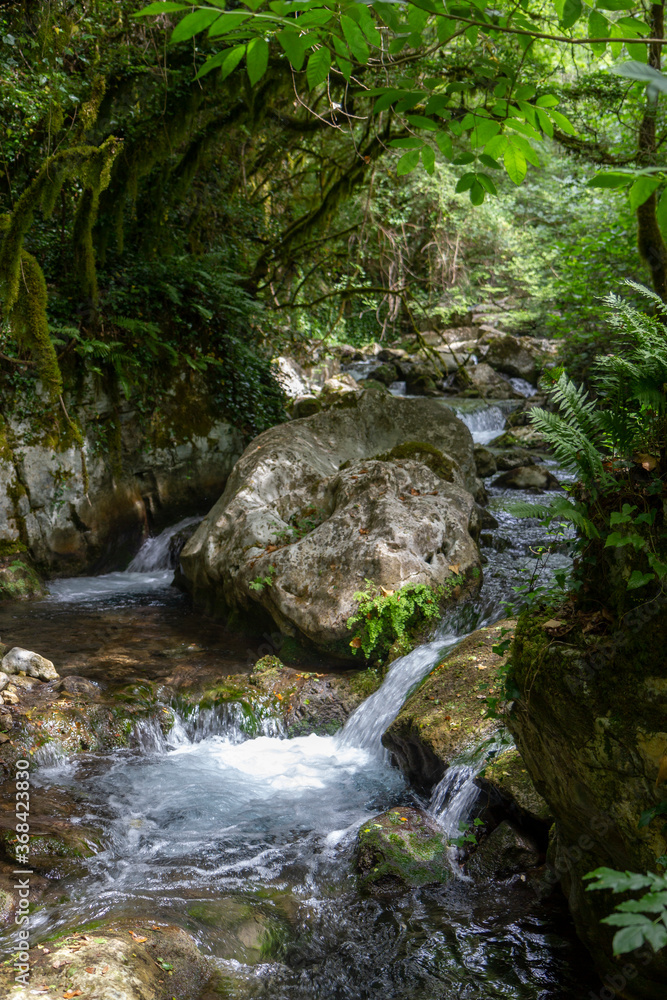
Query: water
{"type": "Point", "coordinates": [161, 552]}
{"type": "Point", "coordinates": [248, 843]}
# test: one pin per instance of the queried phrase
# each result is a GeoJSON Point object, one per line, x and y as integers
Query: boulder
{"type": "Point", "coordinates": [339, 384]}
{"type": "Point", "coordinates": [401, 849]}
{"type": "Point", "coordinates": [505, 852]}
{"type": "Point", "coordinates": [305, 406]}
{"type": "Point", "coordinates": [386, 374]}
{"type": "Point", "coordinates": [18, 579]}
{"type": "Point", "coordinates": [488, 384]}
{"type": "Point", "coordinates": [373, 488]}
{"type": "Point", "coordinates": [513, 458]}
{"type": "Point", "coordinates": [512, 357]}
{"type": "Point", "coordinates": [507, 779]}
{"type": "Point", "coordinates": [446, 714]}
{"type": "Point", "coordinates": [485, 461]}
{"type": "Point", "coordinates": [528, 477]}
{"type": "Point", "coordinates": [24, 660]}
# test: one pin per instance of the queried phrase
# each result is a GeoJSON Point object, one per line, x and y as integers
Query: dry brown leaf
{"type": "Point", "coordinates": [363, 531]}
{"type": "Point", "coordinates": [137, 937]}
{"type": "Point", "coordinates": [455, 567]}
{"type": "Point", "coordinates": [414, 492]}
{"type": "Point", "coordinates": [105, 969]}
{"type": "Point", "coordinates": [72, 993]}
{"type": "Point", "coordinates": [356, 642]}
{"type": "Point", "coordinates": [90, 970]}
{"type": "Point", "coordinates": [552, 623]}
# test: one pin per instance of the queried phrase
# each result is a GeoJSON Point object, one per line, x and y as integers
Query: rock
{"type": "Point", "coordinates": [510, 356]}
{"type": "Point", "coordinates": [4, 680]}
{"type": "Point", "coordinates": [122, 961]}
{"type": "Point", "coordinates": [81, 687]}
{"type": "Point", "coordinates": [392, 354]}
{"type": "Point", "coordinates": [485, 461]}
{"type": "Point", "coordinates": [487, 520]}
{"type": "Point", "coordinates": [508, 778]}
{"type": "Point", "coordinates": [505, 852]}
{"type": "Point", "coordinates": [370, 383]}
{"type": "Point", "coordinates": [488, 384]}
{"type": "Point", "coordinates": [309, 514]}
{"type": "Point", "coordinates": [18, 579]}
{"type": "Point", "coordinates": [34, 665]}
{"type": "Point", "coordinates": [590, 722]}
{"type": "Point", "coordinates": [292, 376]}
{"type": "Point", "coordinates": [401, 849]}
{"type": "Point", "coordinates": [386, 374]}
{"type": "Point", "coordinates": [445, 715]}
{"type": "Point", "coordinates": [339, 384]}
{"type": "Point", "coordinates": [513, 459]}
{"type": "Point", "coordinates": [528, 477]}
{"type": "Point", "coordinates": [305, 406]}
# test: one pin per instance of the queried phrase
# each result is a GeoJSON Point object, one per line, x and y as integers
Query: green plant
{"type": "Point", "coordinates": [640, 921]}
{"type": "Point", "coordinates": [385, 615]}
{"type": "Point", "coordinates": [468, 835]}
{"type": "Point", "coordinates": [260, 582]}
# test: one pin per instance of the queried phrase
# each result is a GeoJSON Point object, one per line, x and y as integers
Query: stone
{"type": "Point", "coordinates": [488, 384]}
{"type": "Point", "coordinates": [386, 374]}
{"type": "Point", "coordinates": [445, 715]}
{"type": "Point", "coordinates": [34, 665]}
{"type": "Point", "coordinates": [292, 376]}
{"type": "Point", "coordinates": [508, 779]}
{"type": "Point", "coordinates": [528, 477]}
{"type": "Point", "coordinates": [19, 581]}
{"type": "Point", "coordinates": [485, 461]}
{"type": "Point", "coordinates": [305, 406]}
{"type": "Point", "coordinates": [504, 853]}
{"type": "Point", "coordinates": [339, 384]}
{"type": "Point", "coordinates": [401, 849]}
{"type": "Point", "coordinates": [512, 357]}
{"type": "Point", "coordinates": [4, 680]}
{"type": "Point", "coordinates": [317, 506]}
{"type": "Point", "coordinates": [80, 687]}
{"type": "Point", "coordinates": [513, 458]}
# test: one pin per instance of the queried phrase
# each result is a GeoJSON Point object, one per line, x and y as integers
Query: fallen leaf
{"type": "Point", "coordinates": [280, 698]}
{"type": "Point", "coordinates": [137, 937]}
{"type": "Point", "coordinates": [362, 471]}
{"type": "Point", "coordinates": [363, 531]}
{"type": "Point", "coordinates": [356, 642]}
{"type": "Point", "coordinates": [552, 623]}
{"type": "Point", "coordinates": [72, 993]}
{"type": "Point", "coordinates": [387, 593]}
{"type": "Point", "coordinates": [90, 970]}
{"type": "Point", "coordinates": [414, 492]}
{"type": "Point", "coordinates": [105, 970]}
{"type": "Point", "coordinates": [455, 567]}
{"type": "Point", "coordinates": [433, 493]}
{"type": "Point", "coordinates": [155, 927]}
{"type": "Point", "coordinates": [271, 548]}
{"type": "Point", "coordinates": [401, 498]}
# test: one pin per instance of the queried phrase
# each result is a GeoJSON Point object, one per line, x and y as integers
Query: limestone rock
{"type": "Point", "coordinates": [505, 852]}
{"type": "Point", "coordinates": [374, 487]}
{"type": "Point", "coordinates": [488, 384]}
{"type": "Point", "coordinates": [386, 374]}
{"type": "Point", "coordinates": [4, 680]}
{"type": "Point", "coordinates": [485, 461]}
{"type": "Point", "coordinates": [508, 778]}
{"type": "Point", "coordinates": [34, 665]}
{"type": "Point", "coordinates": [18, 579]}
{"type": "Point", "coordinates": [528, 477]}
{"type": "Point", "coordinates": [399, 850]}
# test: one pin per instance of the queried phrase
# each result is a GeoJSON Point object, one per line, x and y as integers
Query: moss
{"type": "Point", "coordinates": [30, 325]}
{"type": "Point", "coordinates": [366, 682]}
{"type": "Point", "coordinates": [19, 581]}
{"type": "Point", "coordinates": [401, 850]}
{"type": "Point", "coordinates": [420, 451]}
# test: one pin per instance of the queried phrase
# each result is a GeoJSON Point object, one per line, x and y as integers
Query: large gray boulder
{"type": "Point", "coordinates": [375, 487]}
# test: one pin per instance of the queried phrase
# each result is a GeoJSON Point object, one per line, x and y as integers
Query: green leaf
{"type": "Point", "coordinates": [639, 579]}
{"type": "Point", "coordinates": [615, 4]}
{"type": "Point", "coordinates": [496, 146]}
{"type": "Point", "coordinates": [410, 142]}
{"type": "Point", "coordinates": [318, 67]}
{"type": "Point", "coordinates": [642, 189]}
{"type": "Point", "coordinates": [489, 161]}
{"type": "Point", "coordinates": [466, 183]}
{"type": "Point", "coordinates": [193, 23]}
{"type": "Point", "coordinates": [515, 162]}
{"type": "Point", "coordinates": [635, 70]}
{"type": "Point", "coordinates": [523, 127]}
{"type": "Point", "coordinates": [428, 159]}
{"type": "Point", "coordinates": [418, 121]}
{"type": "Point", "coordinates": [227, 61]}
{"type": "Point", "coordinates": [355, 39]}
{"type": "Point", "coordinates": [293, 46]}
{"type": "Point", "coordinates": [610, 180]}
{"type": "Point", "coordinates": [161, 8]}
{"type": "Point", "coordinates": [487, 183]}
{"type": "Point", "coordinates": [257, 59]}
{"type": "Point", "coordinates": [563, 124]}
{"type": "Point", "coordinates": [444, 144]}
{"type": "Point", "coordinates": [661, 214]}
{"type": "Point", "coordinates": [483, 132]}
{"type": "Point", "coordinates": [547, 101]}
{"type": "Point", "coordinates": [226, 23]}
{"type": "Point", "coordinates": [545, 122]}
{"type": "Point", "coordinates": [477, 193]}
{"type": "Point", "coordinates": [572, 10]}
{"type": "Point", "coordinates": [627, 940]}
{"type": "Point", "coordinates": [407, 162]}
{"type": "Point", "coordinates": [598, 27]}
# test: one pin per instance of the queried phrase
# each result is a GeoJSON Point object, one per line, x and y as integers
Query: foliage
{"type": "Point", "coordinates": [640, 921]}
{"type": "Point", "coordinates": [616, 444]}
{"type": "Point", "coordinates": [260, 582]}
{"type": "Point", "coordinates": [385, 616]}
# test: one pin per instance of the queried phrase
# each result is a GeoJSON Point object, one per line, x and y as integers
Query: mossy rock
{"type": "Point", "coordinates": [244, 931]}
{"type": "Point", "coordinates": [427, 454]}
{"type": "Point", "coordinates": [19, 581]}
{"type": "Point", "coordinates": [447, 713]}
{"type": "Point", "coordinates": [508, 777]}
{"type": "Point", "coordinates": [400, 850]}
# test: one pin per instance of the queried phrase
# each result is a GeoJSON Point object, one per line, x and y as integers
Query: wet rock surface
{"type": "Point", "coordinates": [447, 713]}
{"type": "Point", "coordinates": [401, 849]}
{"type": "Point", "coordinates": [504, 853]}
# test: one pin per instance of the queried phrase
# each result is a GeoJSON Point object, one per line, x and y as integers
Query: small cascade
{"type": "Point", "coordinates": [162, 551]}
{"type": "Point", "coordinates": [454, 797]}
{"type": "Point", "coordinates": [366, 725]}
{"type": "Point", "coordinates": [483, 422]}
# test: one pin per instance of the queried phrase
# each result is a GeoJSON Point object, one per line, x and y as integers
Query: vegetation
{"type": "Point", "coordinates": [640, 921]}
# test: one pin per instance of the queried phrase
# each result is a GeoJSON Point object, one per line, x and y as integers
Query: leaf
{"type": "Point", "coordinates": [477, 193]}
{"type": "Point", "coordinates": [257, 59]}
{"type": "Point", "coordinates": [355, 39]}
{"type": "Point", "coordinates": [227, 22]}
{"type": "Point", "coordinates": [627, 940]}
{"type": "Point", "coordinates": [515, 163]}
{"type": "Point", "coordinates": [615, 4]}
{"type": "Point", "coordinates": [488, 161]}
{"type": "Point", "coordinates": [318, 67]}
{"type": "Point", "coordinates": [545, 122]}
{"type": "Point", "coordinates": [293, 46]}
{"type": "Point", "coordinates": [598, 27]}
{"type": "Point", "coordinates": [487, 183]}
{"type": "Point", "coordinates": [161, 8]}
{"type": "Point", "coordinates": [483, 132]}
{"type": "Point", "coordinates": [562, 122]}
{"type": "Point", "coordinates": [465, 183]}
{"type": "Point", "coordinates": [444, 144]}
{"type": "Point", "coordinates": [410, 142]}
{"type": "Point", "coordinates": [610, 180]}
{"type": "Point", "coordinates": [193, 23]}
{"type": "Point", "coordinates": [407, 162]}
{"type": "Point", "coordinates": [641, 190]}
{"type": "Point", "coordinates": [635, 70]}
{"type": "Point", "coordinates": [547, 101]}
{"type": "Point", "coordinates": [572, 10]}
{"type": "Point", "coordinates": [428, 159]}
{"type": "Point", "coordinates": [639, 579]}
{"type": "Point", "coordinates": [226, 61]}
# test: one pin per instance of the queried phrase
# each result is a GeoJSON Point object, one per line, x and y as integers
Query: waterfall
{"type": "Point", "coordinates": [366, 725]}
{"type": "Point", "coordinates": [161, 552]}
{"type": "Point", "coordinates": [454, 797]}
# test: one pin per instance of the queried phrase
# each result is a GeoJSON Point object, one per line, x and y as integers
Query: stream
{"type": "Point", "coordinates": [247, 843]}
